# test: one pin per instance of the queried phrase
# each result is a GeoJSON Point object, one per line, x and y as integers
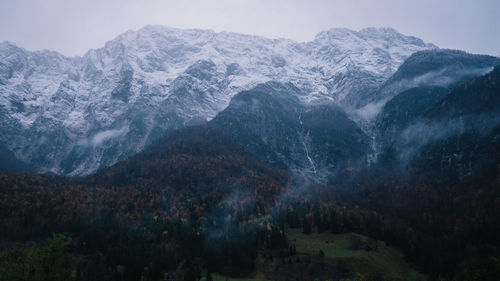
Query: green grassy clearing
{"type": "Point", "coordinates": [338, 246]}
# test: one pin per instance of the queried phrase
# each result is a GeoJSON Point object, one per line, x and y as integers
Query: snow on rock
{"type": "Point", "coordinates": [144, 83]}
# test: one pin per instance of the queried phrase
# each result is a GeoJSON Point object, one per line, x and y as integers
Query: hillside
{"type": "Point", "coordinates": [315, 142]}
{"type": "Point", "coordinates": [113, 101]}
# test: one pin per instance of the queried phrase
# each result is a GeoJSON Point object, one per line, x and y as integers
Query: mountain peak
{"type": "Point", "coordinates": [379, 30]}
{"type": "Point", "coordinates": [167, 78]}
{"type": "Point", "coordinates": [370, 35]}
{"type": "Point", "coordinates": [335, 33]}
{"type": "Point", "coordinates": [7, 45]}
{"type": "Point", "coordinates": [391, 34]}
{"type": "Point", "coordinates": [160, 30]}
{"type": "Point", "coordinates": [366, 32]}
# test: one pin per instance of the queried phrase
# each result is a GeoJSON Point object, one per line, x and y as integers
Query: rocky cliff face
{"type": "Point", "coordinates": [75, 115]}
{"type": "Point", "coordinates": [315, 142]}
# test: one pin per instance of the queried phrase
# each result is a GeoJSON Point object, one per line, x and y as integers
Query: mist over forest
{"type": "Point", "coordinates": [193, 154]}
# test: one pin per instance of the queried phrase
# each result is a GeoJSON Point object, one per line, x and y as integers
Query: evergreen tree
{"type": "Point", "coordinates": [38, 263]}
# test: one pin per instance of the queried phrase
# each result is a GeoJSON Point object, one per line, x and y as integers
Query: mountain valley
{"type": "Point", "coordinates": [186, 154]}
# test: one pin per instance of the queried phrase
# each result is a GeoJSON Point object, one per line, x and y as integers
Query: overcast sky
{"type": "Point", "coordinates": [74, 26]}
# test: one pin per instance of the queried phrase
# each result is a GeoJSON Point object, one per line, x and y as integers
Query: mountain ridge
{"type": "Point", "coordinates": [145, 83]}
{"type": "Point", "coordinates": [366, 30]}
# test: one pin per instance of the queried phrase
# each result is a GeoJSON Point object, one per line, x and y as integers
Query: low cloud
{"type": "Point", "coordinates": [103, 136]}
{"type": "Point", "coordinates": [369, 111]}
{"type": "Point", "coordinates": [421, 133]}
{"type": "Point", "coordinates": [442, 78]}
{"type": "Point", "coordinates": [446, 76]}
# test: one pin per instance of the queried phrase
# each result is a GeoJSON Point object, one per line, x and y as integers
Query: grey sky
{"type": "Point", "coordinates": [74, 26]}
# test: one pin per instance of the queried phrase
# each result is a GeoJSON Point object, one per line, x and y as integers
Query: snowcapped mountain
{"type": "Point", "coordinates": [75, 115]}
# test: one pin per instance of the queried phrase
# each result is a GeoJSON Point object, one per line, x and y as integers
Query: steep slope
{"type": "Point", "coordinates": [466, 126]}
{"type": "Point", "coordinates": [75, 115]}
{"type": "Point", "coordinates": [404, 109]}
{"type": "Point", "coordinates": [419, 83]}
{"type": "Point", "coordinates": [195, 159]}
{"type": "Point", "coordinates": [443, 67]}
{"type": "Point", "coordinates": [312, 141]}
{"type": "Point", "coordinates": [431, 68]}
{"type": "Point", "coordinates": [356, 62]}
{"type": "Point", "coordinates": [440, 176]}
{"type": "Point", "coordinates": [10, 164]}
{"type": "Point", "coordinates": [437, 68]}
{"type": "Point", "coordinates": [199, 163]}
{"type": "Point", "coordinates": [474, 97]}
{"type": "Point", "coordinates": [437, 129]}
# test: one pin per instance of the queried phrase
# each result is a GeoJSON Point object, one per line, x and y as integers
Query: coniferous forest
{"type": "Point", "coordinates": [361, 155]}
